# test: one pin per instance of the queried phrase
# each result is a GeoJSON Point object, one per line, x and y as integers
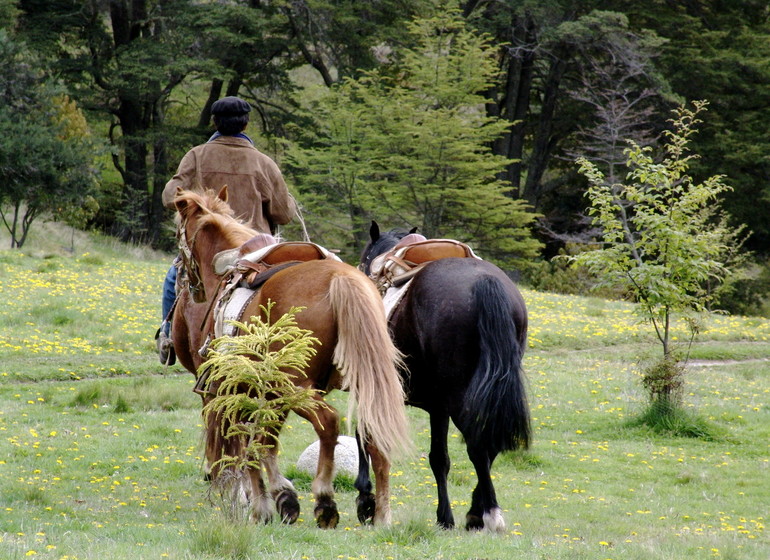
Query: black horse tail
{"type": "Point", "coordinates": [496, 411]}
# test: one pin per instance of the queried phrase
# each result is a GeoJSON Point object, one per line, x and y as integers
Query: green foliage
{"type": "Point", "coordinates": [73, 127]}
{"type": "Point", "coordinates": [78, 216]}
{"type": "Point", "coordinates": [88, 396]}
{"type": "Point", "coordinates": [122, 60]}
{"type": "Point", "coordinates": [251, 378]}
{"type": "Point", "coordinates": [409, 144]}
{"type": "Point", "coordinates": [665, 416]}
{"type": "Point", "coordinates": [224, 539]}
{"type": "Point", "coordinates": [720, 52]}
{"type": "Point", "coordinates": [354, 36]}
{"type": "Point", "coordinates": [8, 13]}
{"type": "Point", "coordinates": [663, 239]}
{"type": "Point", "coordinates": [133, 68]}
{"type": "Point", "coordinates": [746, 292]}
{"type": "Point", "coordinates": [45, 156]}
{"type": "Point", "coordinates": [558, 276]}
{"type": "Point", "coordinates": [122, 406]}
{"type": "Point", "coordinates": [664, 381]}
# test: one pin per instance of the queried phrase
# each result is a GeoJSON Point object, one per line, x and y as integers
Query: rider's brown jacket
{"type": "Point", "coordinates": [256, 190]}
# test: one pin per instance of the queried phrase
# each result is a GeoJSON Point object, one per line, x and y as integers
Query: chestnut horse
{"type": "Point", "coordinates": [343, 310]}
{"type": "Point", "coordinates": [462, 327]}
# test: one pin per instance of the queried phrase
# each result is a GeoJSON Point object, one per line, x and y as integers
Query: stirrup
{"type": "Point", "coordinates": [165, 346]}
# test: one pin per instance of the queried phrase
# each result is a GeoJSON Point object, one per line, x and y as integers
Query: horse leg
{"type": "Point", "coordinates": [381, 468]}
{"type": "Point", "coordinates": [214, 444]}
{"type": "Point", "coordinates": [325, 421]}
{"type": "Point", "coordinates": [240, 489]}
{"type": "Point", "coordinates": [439, 463]}
{"type": "Point", "coordinates": [365, 502]}
{"type": "Point", "coordinates": [484, 512]}
{"type": "Point", "coordinates": [259, 500]}
{"type": "Point", "coordinates": [281, 488]}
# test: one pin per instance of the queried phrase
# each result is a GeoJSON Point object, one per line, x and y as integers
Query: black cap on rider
{"type": "Point", "coordinates": [230, 106]}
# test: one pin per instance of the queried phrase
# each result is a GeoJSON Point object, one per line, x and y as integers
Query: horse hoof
{"type": "Point", "coordinates": [365, 506]}
{"type": "Point", "coordinates": [288, 506]}
{"type": "Point", "coordinates": [260, 518]}
{"type": "Point", "coordinates": [474, 522]}
{"type": "Point", "coordinates": [326, 514]}
{"type": "Point", "coordinates": [492, 521]}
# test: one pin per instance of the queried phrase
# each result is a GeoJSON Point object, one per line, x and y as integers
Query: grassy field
{"type": "Point", "coordinates": [101, 445]}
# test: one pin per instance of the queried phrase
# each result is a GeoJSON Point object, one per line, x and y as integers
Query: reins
{"type": "Point", "coordinates": [195, 282]}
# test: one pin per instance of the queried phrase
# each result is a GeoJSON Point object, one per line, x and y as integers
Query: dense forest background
{"type": "Point", "coordinates": [461, 118]}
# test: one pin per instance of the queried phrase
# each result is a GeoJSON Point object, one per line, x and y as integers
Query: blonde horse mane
{"type": "Point", "coordinates": [214, 210]}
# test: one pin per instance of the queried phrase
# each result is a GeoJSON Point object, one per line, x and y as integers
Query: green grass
{"type": "Point", "coordinates": [102, 458]}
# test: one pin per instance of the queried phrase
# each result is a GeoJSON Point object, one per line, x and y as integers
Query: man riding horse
{"type": "Point", "coordinates": [256, 189]}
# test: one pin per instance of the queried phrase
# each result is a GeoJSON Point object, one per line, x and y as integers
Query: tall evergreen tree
{"type": "Point", "coordinates": [414, 149]}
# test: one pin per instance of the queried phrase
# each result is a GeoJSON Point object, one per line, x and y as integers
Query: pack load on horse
{"type": "Point", "coordinates": [461, 325]}
{"type": "Point", "coordinates": [233, 273]}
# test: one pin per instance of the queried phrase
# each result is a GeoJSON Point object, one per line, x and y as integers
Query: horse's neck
{"type": "Point", "coordinates": [219, 243]}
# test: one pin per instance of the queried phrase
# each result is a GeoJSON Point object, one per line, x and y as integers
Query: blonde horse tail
{"type": "Point", "coordinates": [368, 361]}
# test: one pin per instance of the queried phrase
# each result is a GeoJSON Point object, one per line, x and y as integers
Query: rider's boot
{"type": "Point", "coordinates": [165, 346]}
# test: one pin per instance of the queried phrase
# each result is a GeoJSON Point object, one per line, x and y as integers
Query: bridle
{"type": "Point", "coordinates": [368, 263]}
{"type": "Point", "coordinates": [195, 282]}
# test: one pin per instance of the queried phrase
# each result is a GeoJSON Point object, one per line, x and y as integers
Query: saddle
{"type": "Point", "coordinates": [410, 255]}
{"type": "Point", "coordinates": [244, 270]}
{"type": "Point", "coordinates": [262, 253]}
{"type": "Point", "coordinates": [257, 263]}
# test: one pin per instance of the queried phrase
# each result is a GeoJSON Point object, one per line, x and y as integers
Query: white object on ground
{"type": "Point", "coordinates": [345, 457]}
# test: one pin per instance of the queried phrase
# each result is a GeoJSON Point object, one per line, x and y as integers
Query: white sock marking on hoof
{"type": "Point", "coordinates": [493, 521]}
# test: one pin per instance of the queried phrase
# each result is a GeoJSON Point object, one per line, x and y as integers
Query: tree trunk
{"type": "Point", "coordinates": [234, 86]}
{"type": "Point", "coordinates": [161, 173]}
{"type": "Point", "coordinates": [518, 92]}
{"type": "Point", "coordinates": [544, 143]}
{"type": "Point", "coordinates": [215, 92]}
{"type": "Point", "coordinates": [127, 17]}
{"type": "Point", "coordinates": [361, 221]}
{"type": "Point", "coordinates": [135, 200]}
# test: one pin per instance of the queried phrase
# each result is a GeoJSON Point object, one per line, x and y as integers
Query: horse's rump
{"type": "Point", "coordinates": [344, 311]}
{"type": "Point", "coordinates": [433, 326]}
{"type": "Point", "coordinates": [462, 325]}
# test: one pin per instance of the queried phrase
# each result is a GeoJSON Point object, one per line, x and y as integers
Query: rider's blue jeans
{"type": "Point", "coordinates": [169, 295]}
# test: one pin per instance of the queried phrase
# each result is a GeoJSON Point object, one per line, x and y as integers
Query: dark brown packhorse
{"type": "Point", "coordinates": [462, 327]}
{"type": "Point", "coordinates": [343, 310]}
